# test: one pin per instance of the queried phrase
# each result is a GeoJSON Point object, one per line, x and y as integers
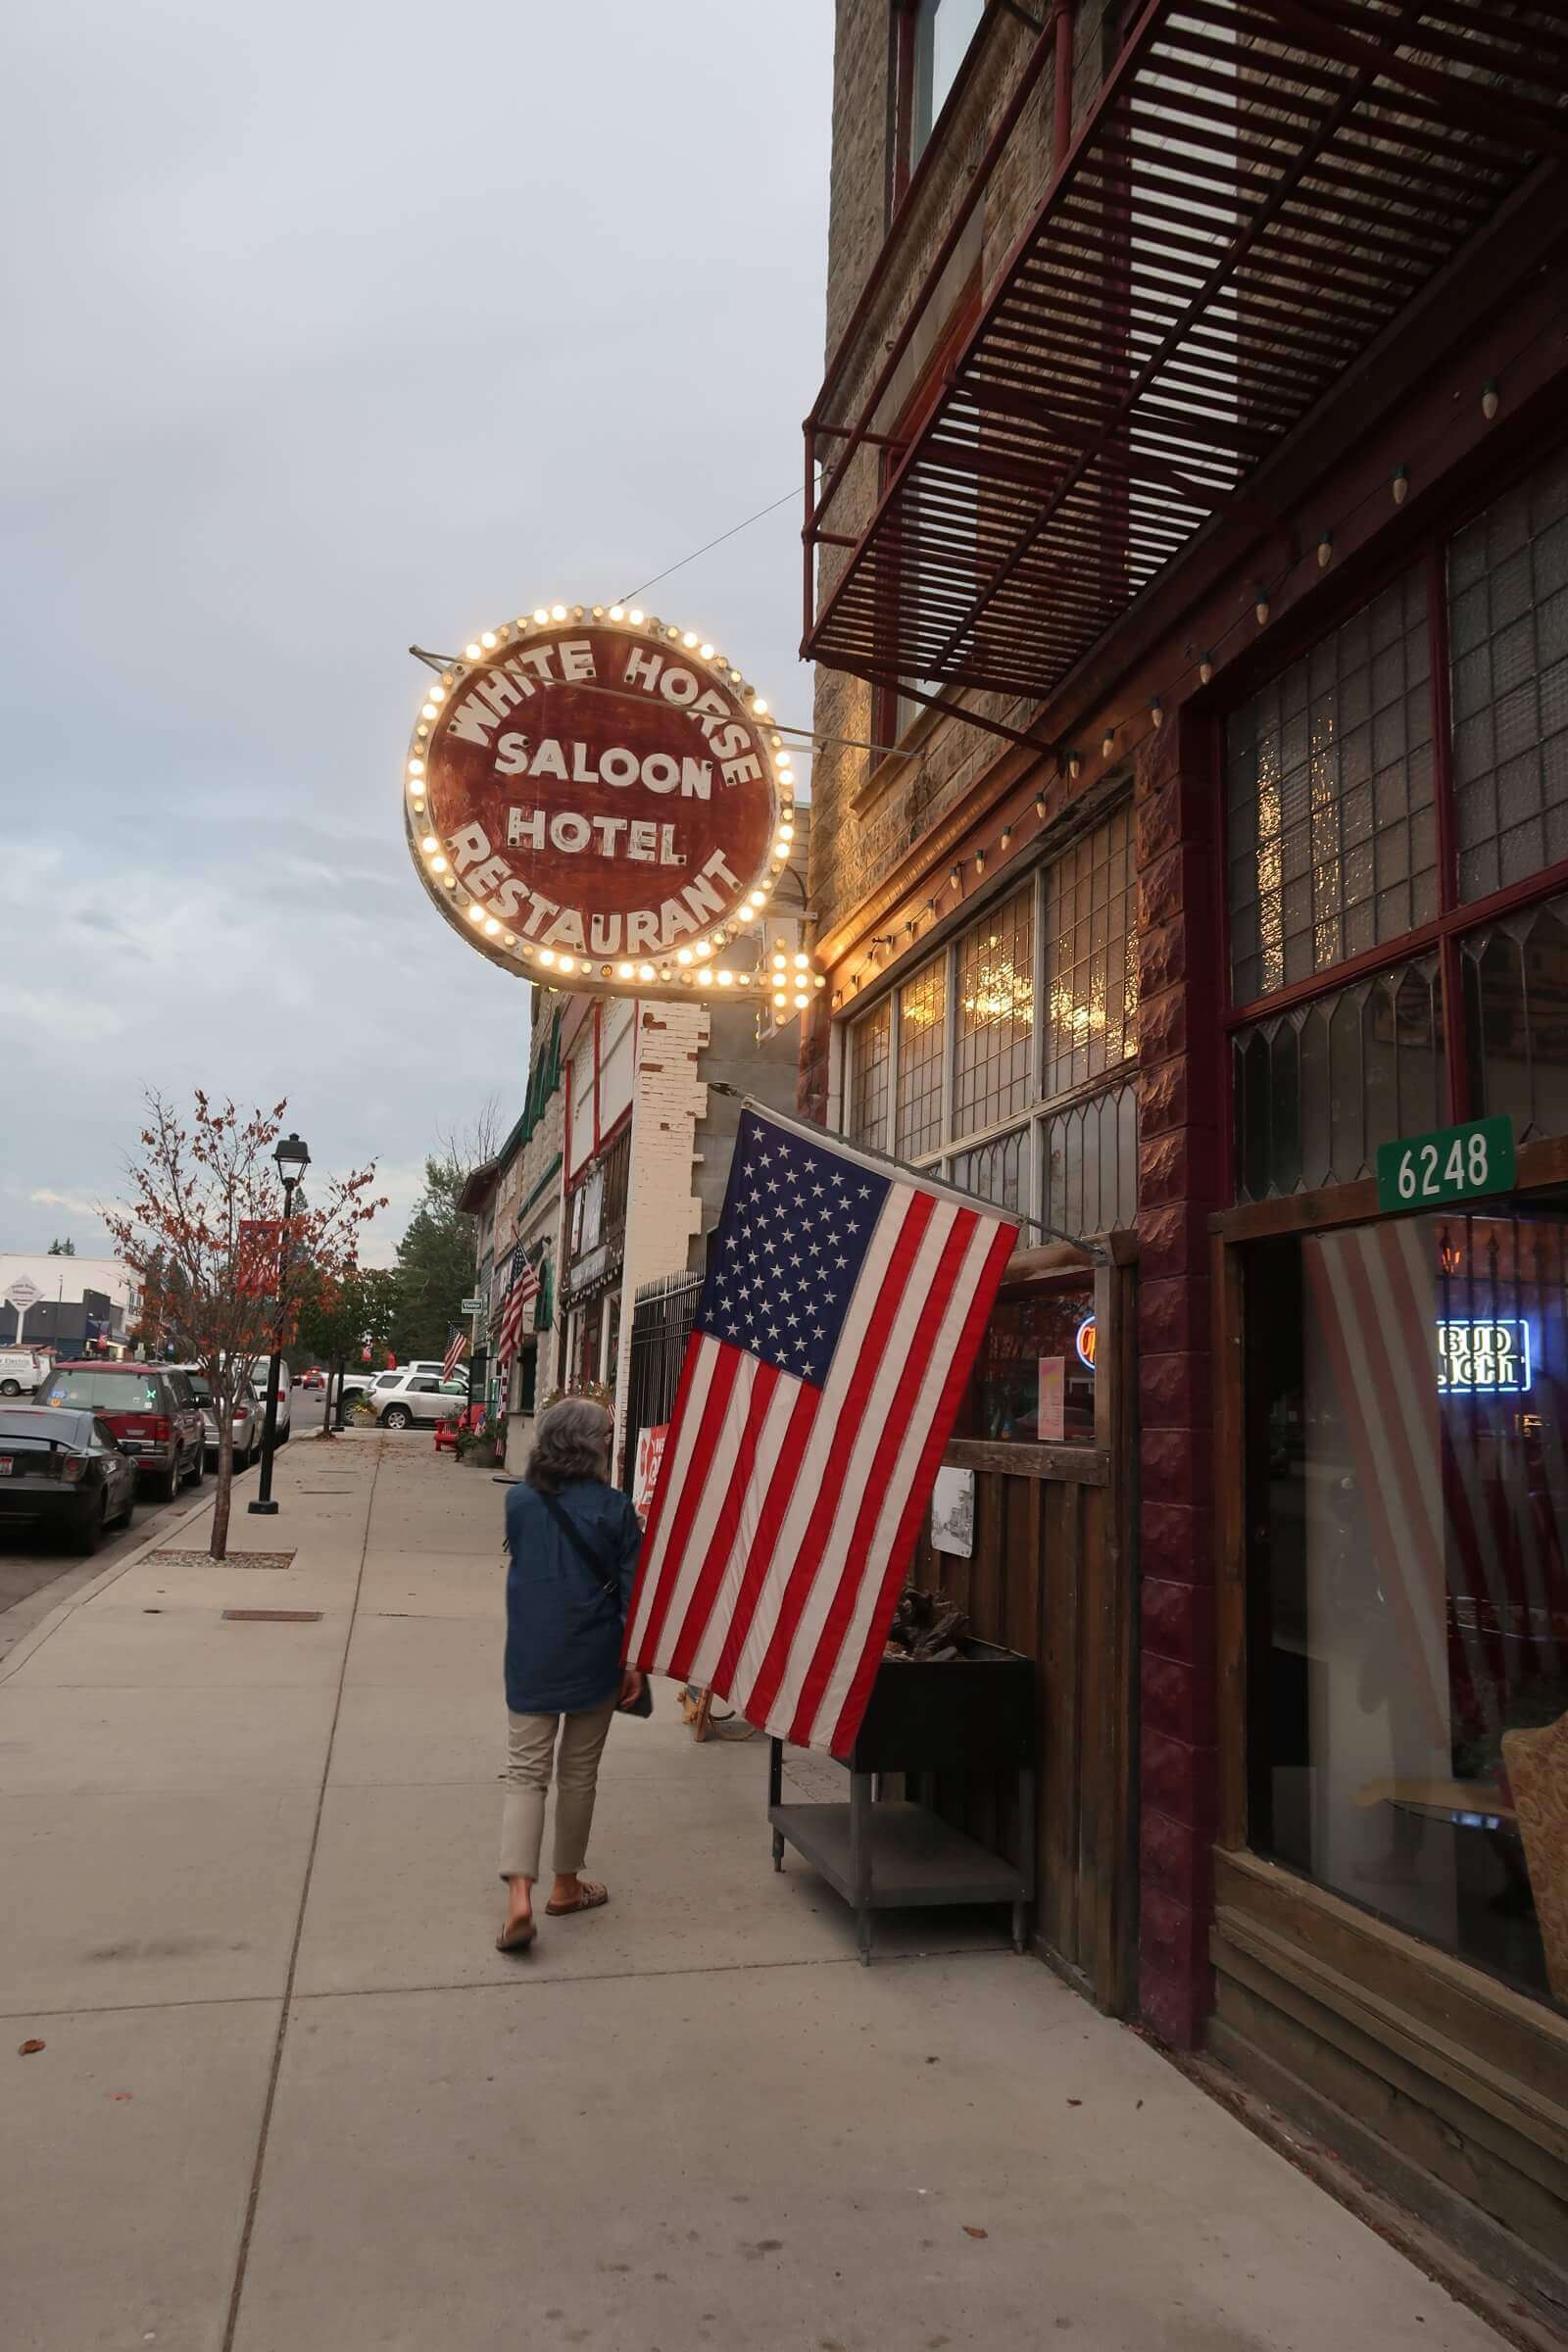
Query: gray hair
{"type": "Point", "coordinates": [569, 1444]}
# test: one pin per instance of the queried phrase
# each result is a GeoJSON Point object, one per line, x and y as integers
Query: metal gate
{"type": "Point", "coordinates": [661, 1320]}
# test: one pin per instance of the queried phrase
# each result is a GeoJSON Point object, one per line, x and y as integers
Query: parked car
{"type": "Point", "coordinates": [22, 1371]}
{"type": "Point", "coordinates": [356, 1385]}
{"type": "Point", "coordinates": [401, 1398]}
{"type": "Point", "coordinates": [285, 1391]}
{"type": "Point", "coordinates": [247, 1415]}
{"type": "Point", "coordinates": [65, 1470]}
{"type": "Point", "coordinates": [151, 1410]}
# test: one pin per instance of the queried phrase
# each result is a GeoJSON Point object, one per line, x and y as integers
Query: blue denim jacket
{"type": "Point", "coordinates": [564, 1631]}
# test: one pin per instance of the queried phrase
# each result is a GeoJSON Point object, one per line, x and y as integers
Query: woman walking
{"type": "Point", "coordinates": [572, 1539]}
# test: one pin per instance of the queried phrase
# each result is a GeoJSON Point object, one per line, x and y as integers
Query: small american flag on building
{"type": "Point", "coordinates": [453, 1354]}
{"type": "Point", "coordinates": [838, 1324]}
{"type": "Point", "coordinates": [522, 1284]}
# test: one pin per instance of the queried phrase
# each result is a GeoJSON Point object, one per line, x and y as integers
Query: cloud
{"type": "Point", "coordinates": [291, 393]}
{"type": "Point", "coordinates": [74, 1202]}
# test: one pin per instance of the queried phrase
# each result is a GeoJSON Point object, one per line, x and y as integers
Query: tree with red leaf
{"type": "Point", "coordinates": [198, 1193]}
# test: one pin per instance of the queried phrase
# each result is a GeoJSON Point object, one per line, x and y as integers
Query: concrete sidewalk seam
{"type": "Point", "coordinates": [253, 2201]}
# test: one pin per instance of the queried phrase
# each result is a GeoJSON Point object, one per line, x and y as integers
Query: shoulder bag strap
{"type": "Point", "coordinates": [589, 1558]}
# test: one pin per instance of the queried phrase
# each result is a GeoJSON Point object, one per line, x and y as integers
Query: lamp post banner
{"type": "Point", "coordinates": [598, 794]}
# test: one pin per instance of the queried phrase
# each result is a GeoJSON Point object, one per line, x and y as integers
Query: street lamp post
{"type": "Point", "coordinates": [293, 1159]}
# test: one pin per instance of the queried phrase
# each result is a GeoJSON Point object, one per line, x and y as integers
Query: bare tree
{"type": "Point", "coordinates": [206, 1233]}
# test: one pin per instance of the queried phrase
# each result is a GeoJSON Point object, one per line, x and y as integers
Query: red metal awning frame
{"type": "Point", "coordinates": [1259, 191]}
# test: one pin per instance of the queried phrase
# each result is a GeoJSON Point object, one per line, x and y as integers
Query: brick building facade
{"type": "Point", "coordinates": [1185, 532]}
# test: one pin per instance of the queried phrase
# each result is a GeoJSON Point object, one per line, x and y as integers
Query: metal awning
{"type": "Point", "coordinates": [1262, 188]}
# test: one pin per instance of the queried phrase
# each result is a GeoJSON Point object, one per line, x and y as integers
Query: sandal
{"type": "Point", "coordinates": [516, 1934]}
{"type": "Point", "coordinates": [589, 1899]}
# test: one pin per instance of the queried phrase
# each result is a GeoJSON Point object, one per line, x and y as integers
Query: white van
{"type": "Point", "coordinates": [21, 1372]}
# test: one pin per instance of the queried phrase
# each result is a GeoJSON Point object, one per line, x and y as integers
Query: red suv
{"type": "Point", "coordinates": [152, 1410]}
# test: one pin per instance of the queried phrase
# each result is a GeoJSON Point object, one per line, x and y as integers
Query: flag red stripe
{"type": "Point", "coordinates": [895, 1428]}
{"type": "Point", "coordinates": [710, 1575]}
{"type": "Point", "coordinates": [894, 1281]}
{"type": "Point", "coordinates": [762, 1559]}
{"type": "Point", "coordinates": [921, 1486]}
{"type": "Point", "coordinates": [715, 1404]}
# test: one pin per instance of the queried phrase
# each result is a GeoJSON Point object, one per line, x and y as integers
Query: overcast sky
{"type": "Point", "coordinates": [338, 328]}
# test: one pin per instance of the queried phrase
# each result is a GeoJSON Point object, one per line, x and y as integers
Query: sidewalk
{"type": "Point", "coordinates": [292, 2100]}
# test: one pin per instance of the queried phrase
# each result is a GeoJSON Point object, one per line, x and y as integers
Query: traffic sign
{"type": "Point", "coordinates": [1452, 1163]}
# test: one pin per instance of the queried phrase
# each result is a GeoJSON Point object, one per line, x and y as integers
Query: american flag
{"type": "Point", "coordinates": [841, 1314]}
{"type": "Point", "coordinates": [453, 1354]}
{"type": "Point", "coordinates": [522, 1284]}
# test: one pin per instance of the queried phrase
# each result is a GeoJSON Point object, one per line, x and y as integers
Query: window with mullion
{"type": "Point", "coordinates": [922, 1054]}
{"type": "Point", "coordinates": [995, 1016]}
{"type": "Point", "coordinates": [870, 1046]}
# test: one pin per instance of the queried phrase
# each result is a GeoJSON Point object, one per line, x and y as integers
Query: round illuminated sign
{"type": "Point", "coordinates": [1085, 1341]}
{"type": "Point", "coordinates": [597, 796]}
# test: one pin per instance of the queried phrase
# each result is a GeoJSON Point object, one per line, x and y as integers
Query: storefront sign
{"type": "Point", "coordinates": [595, 796]}
{"type": "Point", "coordinates": [472, 1306]}
{"type": "Point", "coordinates": [1494, 1358]}
{"type": "Point", "coordinates": [1453, 1163]}
{"type": "Point", "coordinates": [1085, 1341]}
{"type": "Point", "coordinates": [645, 1478]}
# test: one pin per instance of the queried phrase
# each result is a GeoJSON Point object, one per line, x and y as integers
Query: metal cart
{"type": "Point", "coordinates": [970, 1714]}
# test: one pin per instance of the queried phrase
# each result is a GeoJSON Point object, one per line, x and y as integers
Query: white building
{"type": "Point", "coordinates": [72, 1291]}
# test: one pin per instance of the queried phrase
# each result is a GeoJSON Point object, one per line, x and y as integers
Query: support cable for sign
{"type": "Point", "coordinates": [789, 498]}
{"type": "Point", "coordinates": [1095, 1250]}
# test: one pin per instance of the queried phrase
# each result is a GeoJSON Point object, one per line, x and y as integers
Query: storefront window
{"type": "Point", "coordinates": [870, 1041]}
{"type": "Point", "coordinates": [1318, 1088]}
{"type": "Point", "coordinates": [922, 1022]}
{"type": "Point", "coordinates": [1329, 789]}
{"type": "Point", "coordinates": [1407, 1481]}
{"type": "Point", "coordinates": [1091, 958]}
{"type": "Point", "coordinates": [995, 1016]}
{"type": "Point", "coordinates": [1033, 1379]}
{"type": "Point", "coordinates": [1508, 647]}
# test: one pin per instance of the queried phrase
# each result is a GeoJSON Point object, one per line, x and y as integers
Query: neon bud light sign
{"type": "Point", "coordinates": [1495, 1358]}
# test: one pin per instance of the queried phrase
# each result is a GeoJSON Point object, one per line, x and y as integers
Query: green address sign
{"type": "Point", "coordinates": [1454, 1164]}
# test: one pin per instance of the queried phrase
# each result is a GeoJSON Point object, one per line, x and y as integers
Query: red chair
{"type": "Point", "coordinates": [447, 1433]}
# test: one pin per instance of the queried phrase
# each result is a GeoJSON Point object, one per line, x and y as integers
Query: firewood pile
{"type": "Point", "coordinates": [924, 1628]}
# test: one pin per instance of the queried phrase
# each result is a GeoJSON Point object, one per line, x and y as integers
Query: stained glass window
{"type": "Point", "coordinates": [1509, 650]}
{"type": "Point", "coordinates": [1320, 1087]}
{"type": "Point", "coordinates": [922, 1021]}
{"type": "Point", "coordinates": [1091, 958]}
{"type": "Point", "coordinates": [1329, 786]}
{"type": "Point", "coordinates": [1091, 1163]}
{"type": "Point", "coordinates": [870, 1041]}
{"type": "Point", "coordinates": [995, 1016]}
{"type": "Point", "coordinates": [997, 1172]}
{"type": "Point", "coordinates": [1516, 1018]}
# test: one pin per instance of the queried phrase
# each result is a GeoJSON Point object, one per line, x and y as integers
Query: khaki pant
{"type": "Point", "coordinates": [531, 1749]}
